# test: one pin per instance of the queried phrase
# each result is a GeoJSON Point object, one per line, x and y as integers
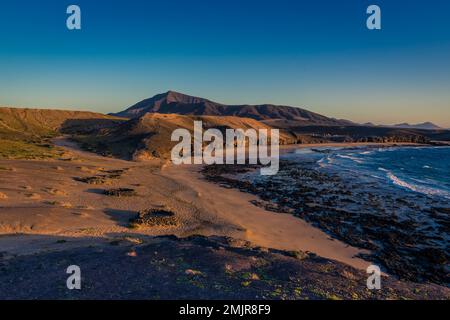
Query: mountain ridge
{"type": "Point", "coordinates": [424, 125]}
{"type": "Point", "coordinates": [405, 125]}
{"type": "Point", "coordinates": [178, 103]}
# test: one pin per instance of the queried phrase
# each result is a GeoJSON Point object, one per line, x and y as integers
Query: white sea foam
{"type": "Point", "coordinates": [417, 188]}
{"type": "Point", "coordinates": [350, 158]}
{"type": "Point", "coordinates": [325, 161]}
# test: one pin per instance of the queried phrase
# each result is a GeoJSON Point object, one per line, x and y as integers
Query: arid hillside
{"type": "Point", "coordinates": [149, 136]}
{"type": "Point", "coordinates": [41, 122]}
{"type": "Point", "coordinates": [25, 133]}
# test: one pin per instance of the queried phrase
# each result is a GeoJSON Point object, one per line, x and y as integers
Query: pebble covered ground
{"type": "Point", "coordinates": [194, 268]}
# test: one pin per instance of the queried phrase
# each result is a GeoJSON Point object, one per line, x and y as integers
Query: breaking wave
{"type": "Point", "coordinates": [414, 187]}
{"type": "Point", "coordinates": [357, 160]}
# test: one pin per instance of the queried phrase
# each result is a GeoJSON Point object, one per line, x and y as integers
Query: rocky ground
{"type": "Point", "coordinates": [113, 217]}
{"type": "Point", "coordinates": [193, 268]}
{"type": "Point", "coordinates": [407, 235]}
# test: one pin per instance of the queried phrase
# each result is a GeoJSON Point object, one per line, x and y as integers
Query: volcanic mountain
{"type": "Point", "coordinates": [178, 103]}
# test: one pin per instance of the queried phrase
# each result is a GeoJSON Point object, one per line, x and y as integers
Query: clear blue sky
{"type": "Point", "coordinates": [316, 54]}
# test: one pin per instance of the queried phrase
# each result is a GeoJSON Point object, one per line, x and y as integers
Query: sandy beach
{"type": "Point", "coordinates": [72, 206]}
{"type": "Point", "coordinates": [44, 199]}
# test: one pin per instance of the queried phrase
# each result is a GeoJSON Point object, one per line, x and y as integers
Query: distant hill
{"type": "Point", "coordinates": [26, 133]}
{"type": "Point", "coordinates": [178, 103]}
{"type": "Point", "coordinates": [369, 134]}
{"type": "Point", "coordinates": [424, 126]}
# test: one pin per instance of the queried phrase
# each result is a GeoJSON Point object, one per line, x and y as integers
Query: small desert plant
{"type": "Point", "coordinates": [154, 218]}
{"type": "Point", "coordinates": [121, 192]}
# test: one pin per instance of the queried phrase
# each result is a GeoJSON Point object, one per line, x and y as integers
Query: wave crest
{"type": "Point", "coordinates": [414, 187]}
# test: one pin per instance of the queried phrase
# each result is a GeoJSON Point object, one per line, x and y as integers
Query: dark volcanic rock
{"type": "Point", "coordinates": [408, 235]}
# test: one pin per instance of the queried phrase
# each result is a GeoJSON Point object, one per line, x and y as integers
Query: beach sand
{"type": "Point", "coordinates": [259, 226]}
{"type": "Point", "coordinates": [44, 198]}
{"type": "Point", "coordinates": [56, 212]}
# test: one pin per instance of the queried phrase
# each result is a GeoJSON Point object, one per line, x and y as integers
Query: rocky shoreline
{"type": "Point", "coordinates": [406, 234]}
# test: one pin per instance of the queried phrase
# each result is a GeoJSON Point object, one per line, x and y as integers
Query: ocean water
{"type": "Point", "coordinates": [391, 201]}
{"type": "Point", "coordinates": [424, 170]}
